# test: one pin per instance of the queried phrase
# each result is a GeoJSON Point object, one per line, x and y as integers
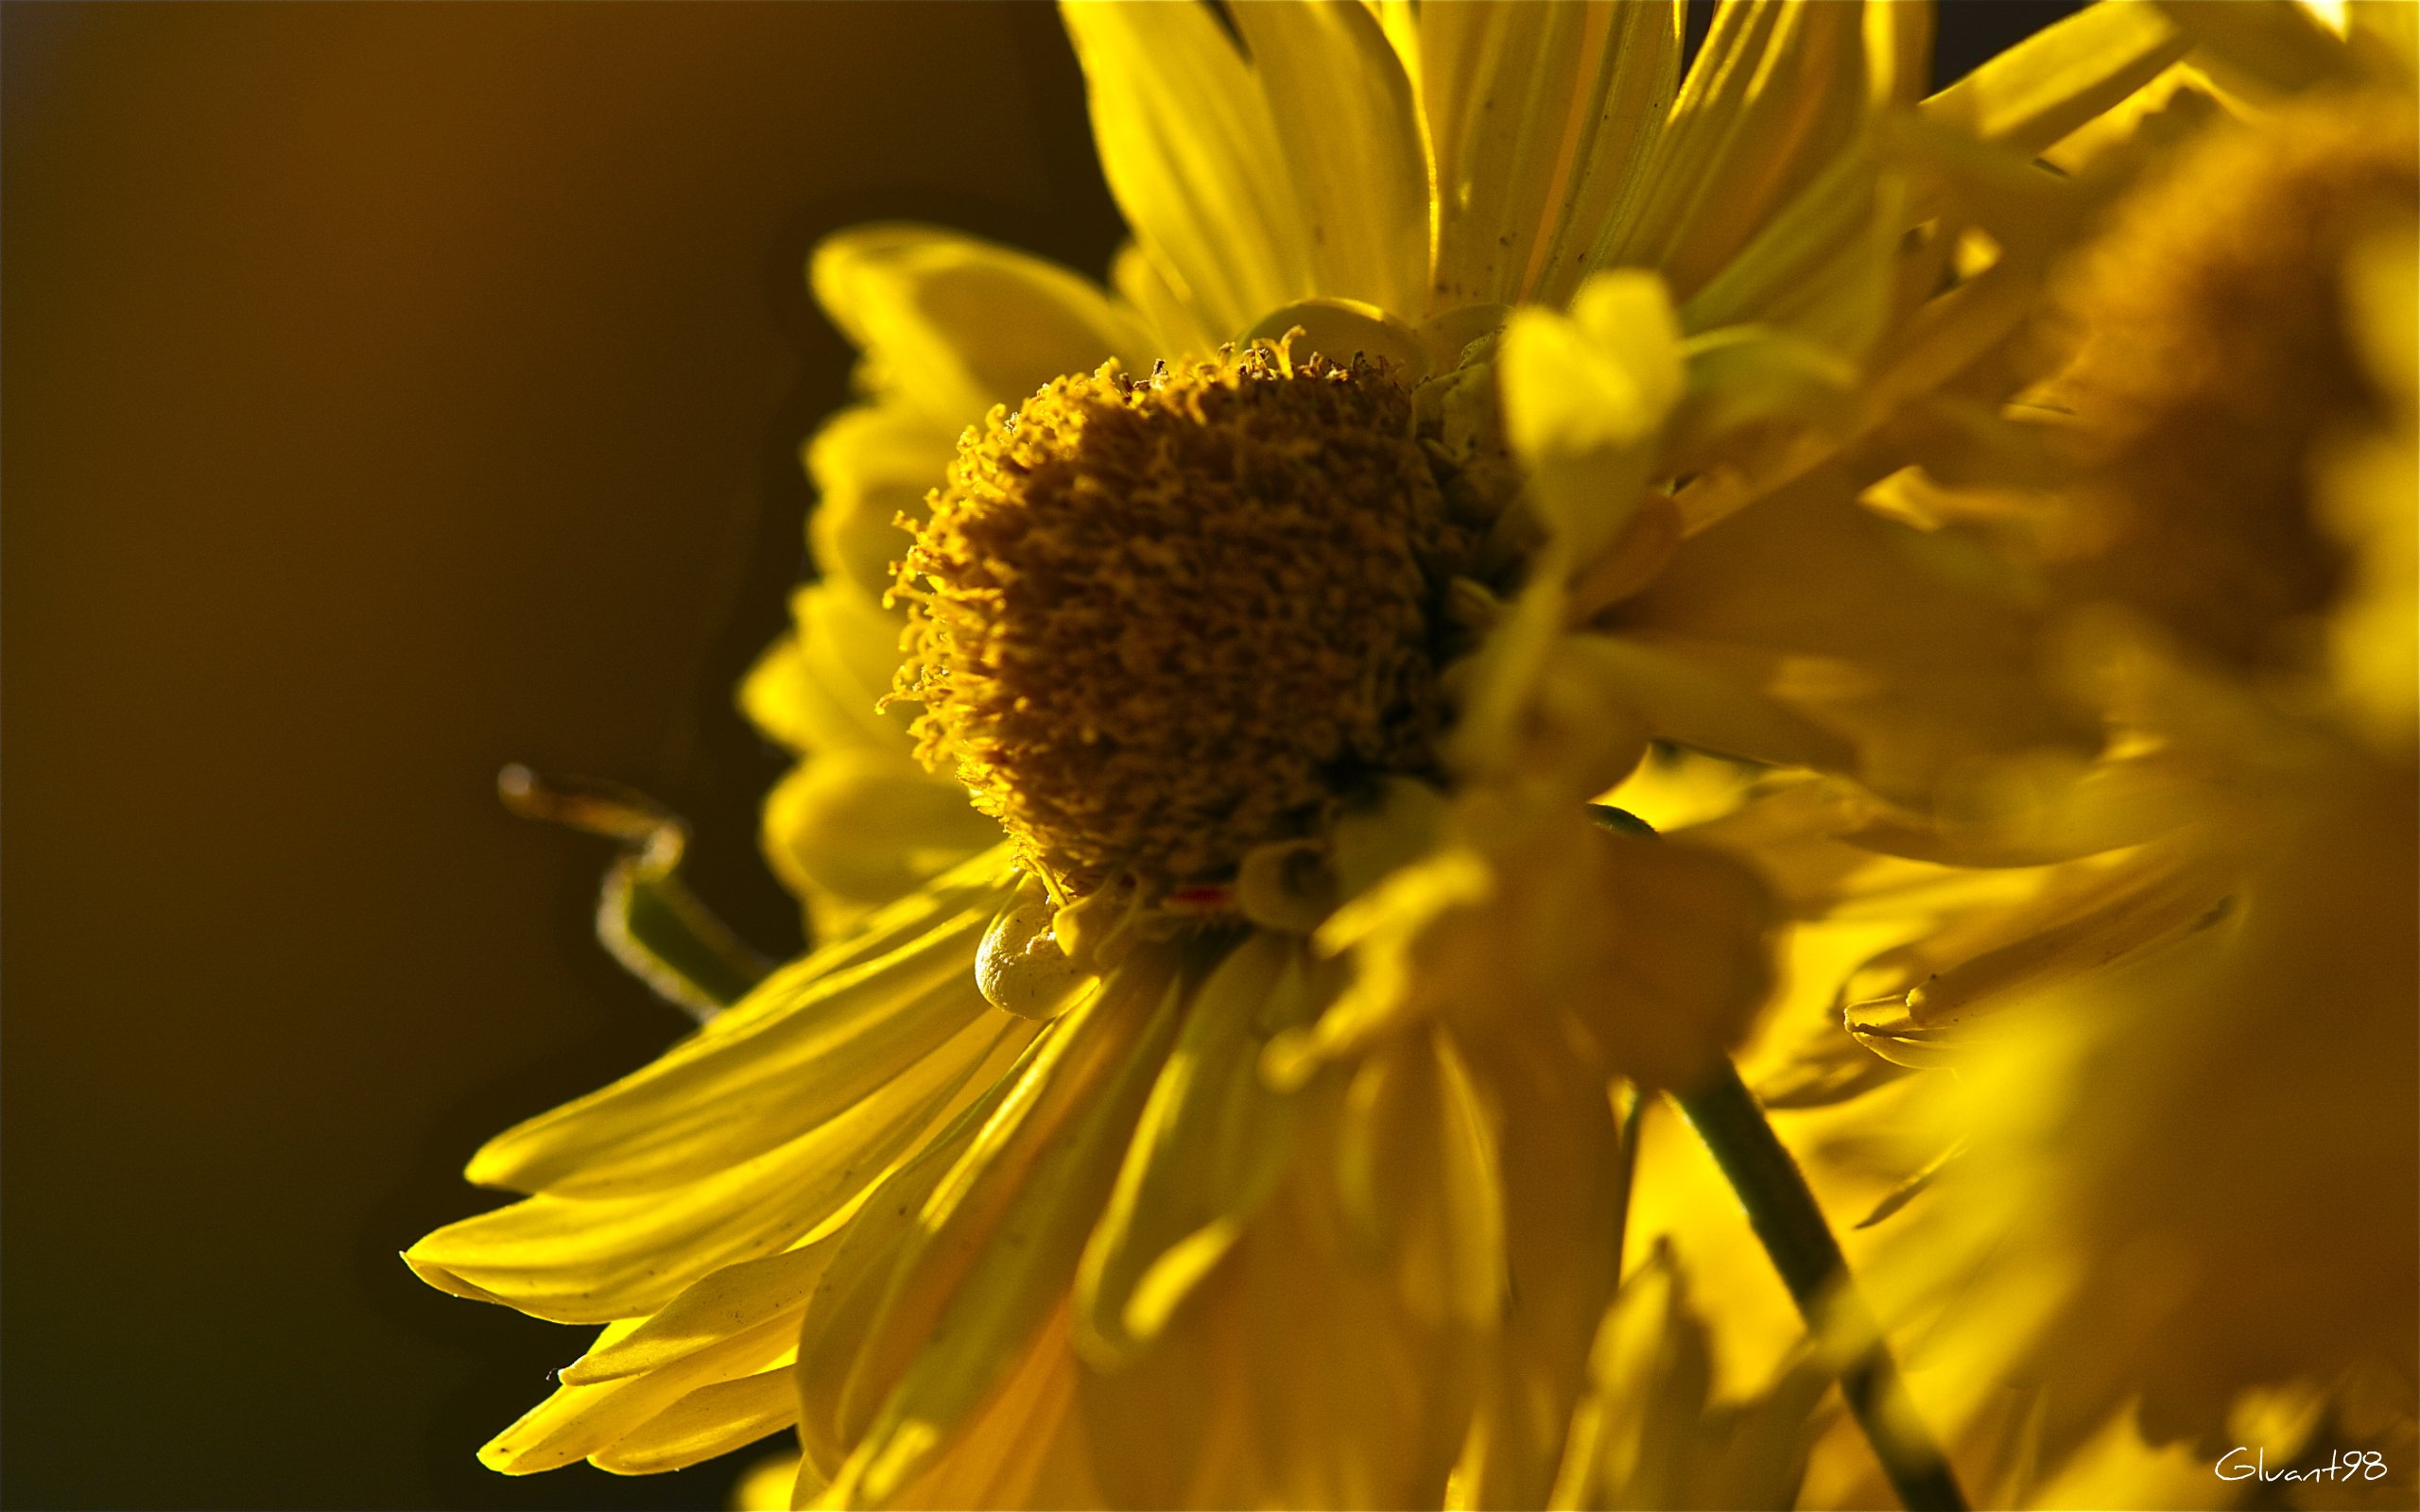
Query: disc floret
{"type": "Point", "coordinates": [1161, 620]}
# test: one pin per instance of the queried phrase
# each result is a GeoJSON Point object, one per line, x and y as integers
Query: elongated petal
{"type": "Point", "coordinates": [901, 1260]}
{"type": "Point", "coordinates": [863, 827]}
{"type": "Point", "coordinates": [1025, 1447]}
{"type": "Point", "coordinates": [733, 1299]}
{"type": "Point", "coordinates": [848, 1294]}
{"type": "Point", "coordinates": [833, 1038]}
{"type": "Point", "coordinates": [2275, 44]}
{"type": "Point", "coordinates": [577, 1259]}
{"type": "Point", "coordinates": [1916, 649]}
{"type": "Point", "coordinates": [1821, 267]}
{"type": "Point", "coordinates": [871, 464]}
{"type": "Point", "coordinates": [578, 1421]}
{"type": "Point", "coordinates": [1293, 1376]}
{"type": "Point", "coordinates": [1173, 328]}
{"type": "Point", "coordinates": [821, 688]}
{"type": "Point", "coordinates": [1778, 90]}
{"type": "Point", "coordinates": [1506, 88]}
{"type": "Point", "coordinates": [2053, 81]}
{"type": "Point", "coordinates": [954, 325]}
{"type": "Point", "coordinates": [1562, 1196]}
{"type": "Point", "coordinates": [1637, 77]}
{"type": "Point", "coordinates": [1681, 701]}
{"type": "Point", "coordinates": [1192, 156]}
{"type": "Point", "coordinates": [1344, 118]}
{"type": "Point", "coordinates": [1025, 1226]}
{"type": "Point", "coordinates": [1210, 1144]}
{"type": "Point", "coordinates": [708, 1421]}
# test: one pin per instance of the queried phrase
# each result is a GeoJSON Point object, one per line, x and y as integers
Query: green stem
{"type": "Point", "coordinates": [1786, 1218]}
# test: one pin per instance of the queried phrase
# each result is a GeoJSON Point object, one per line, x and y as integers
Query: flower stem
{"type": "Point", "coordinates": [1791, 1227]}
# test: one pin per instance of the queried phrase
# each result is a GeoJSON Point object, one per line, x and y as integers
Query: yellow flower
{"type": "Point", "coordinates": [1216, 1110]}
{"type": "Point", "coordinates": [2183, 1202]}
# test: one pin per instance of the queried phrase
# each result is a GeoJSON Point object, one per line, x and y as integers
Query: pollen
{"type": "Point", "coordinates": [2219, 360]}
{"type": "Point", "coordinates": [1161, 620]}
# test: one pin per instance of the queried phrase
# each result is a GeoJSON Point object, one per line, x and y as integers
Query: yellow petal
{"type": "Point", "coordinates": [1193, 158]}
{"type": "Point", "coordinates": [953, 325]}
{"type": "Point", "coordinates": [903, 1260]}
{"type": "Point", "coordinates": [577, 1260]}
{"type": "Point", "coordinates": [848, 1297]}
{"type": "Point", "coordinates": [731, 1300]}
{"type": "Point", "coordinates": [1752, 388]}
{"type": "Point", "coordinates": [1638, 75]}
{"type": "Point", "coordinates": [1345, 328]}
{"type": "Point", "coordinates": [994, 1261]}
{"type": "Point", "coordinates": [2272, 45]}
{"type": "Point", "coordinates": [2392, 26]}
{"type": "Point", "coordinates": [1510, 91]}
{"type": "Point", "coordinates": [2035, 92]}
{"type": "Point", "coordinates": [1820, 269]}
{"type": "Point", "coordinates": [1563, 1180]}
{"type": "Point", "coordinates": [1585, 400]}
{"type": "Point", "coordinates": [1682, 702]}
{"type": "Point", "coordinates": [578, 1421]}
{"type": "Point", "coordinates": [835, 671]}
{"type": "Point", "coordinates": [870, 464]}
{"type": "Point", "coordinates": [1383, 929]}
{"type": "Point", "coordinates": [1174, 329]}
{"type": "Point", "coordinates": [814, 1045]}
{"type": "Point", "coordinates": [1342, 110]}
{"type": "Point", "coordinates": [1918, 1004]}
{"type": "Point", "coordinates": [1679, 964]}
{"type": "Point", "coordinates": [1211, 1143]}
{"type": "Point", "coordinates": [1918, 648]}
{"type": "Point", "coordinates": [708, 1421]}
{"type": "Point", "coordinates": [777, 697]}
{"type": "Point", "coordinates": [863, 827]}
{"type": "Point", "coordinates": [1778, 90]}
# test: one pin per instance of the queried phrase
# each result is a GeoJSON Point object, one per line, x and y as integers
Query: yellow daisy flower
{"type": "Point", "coordinates": [2183, 1203]}
{"type": "Point", "coordinates": [1216, 1108]}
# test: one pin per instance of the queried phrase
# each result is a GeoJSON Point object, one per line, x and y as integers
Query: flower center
{"type": "Point", "coordinates": [2220, 355]}
{"type": "Point", "coordinates": [1163, 620]}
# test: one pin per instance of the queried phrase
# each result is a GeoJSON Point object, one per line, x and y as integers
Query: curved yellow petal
{"type": "Point", "coordinates": [2272, 46]}
{"type": "Point", "coordinates": [821, 687]}
{"type": "Point", "coordinates": [728, 1301]}
{"type": "Point", "coordinates": [578, 1421]}
{"type": "Point", "coordinates": [1174, 328]}
{"type": "Point", "coordinates": [871, 464]}
{"type": "Point", "coordinates": [1564, 1192]}
{"type": "Point", "coordinates": [1682, 701]}
{"type": "Point", "coordinates": [1915, 647]}
{"type": "Point", "coordinates": [1344, 118]}
{"type": "Point", "coordinates": [1638, 76]}
{"type": "Point", "coordinates": [1192, 155]}
{"type": "Point", "coordinates": [1822, 267]}
{"type": "Point", "coordinates": [829, 1041]}
{"type": "Point", "coordinates": [1508, 89]}
{"type": "Point", "coordinates": [1584, 403]}
{"type": "Point", "coordinates": [2043, 88]}
{"type": "Point", "coordinates": [953, 325]}
{"type": "Point", "coordinates": [582, 1260]}
{"type": "Point", "coordinates": [862, 827]}
{"type": "Point", "coordinates": [995, 1255]}
{"type": "Point", "coordinates": [708, 1421]}
{"type": "Point", "coordinates": [1779, 89]}
{"type": "Point", "coordinates": [1210, 1145]}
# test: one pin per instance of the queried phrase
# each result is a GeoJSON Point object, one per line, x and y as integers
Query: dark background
{"type": "Point", "coordinates": [389, 392]}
